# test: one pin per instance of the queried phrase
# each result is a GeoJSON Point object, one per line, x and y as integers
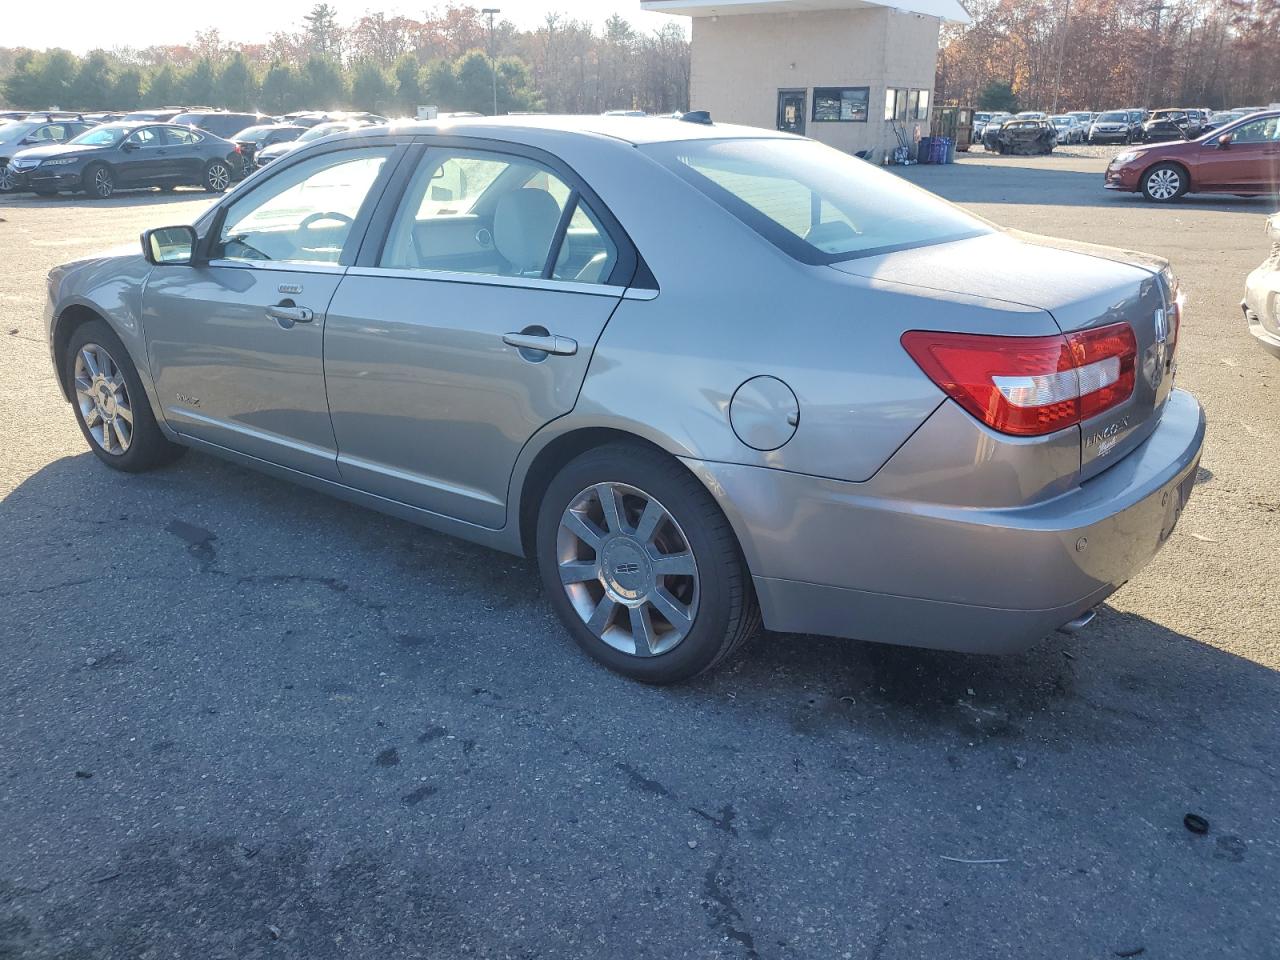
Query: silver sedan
{"type": "Point", "coordinates": [707, 375]}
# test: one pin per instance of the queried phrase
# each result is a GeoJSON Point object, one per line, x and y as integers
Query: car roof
{"type": "Point", "coordinates": [631, 130]}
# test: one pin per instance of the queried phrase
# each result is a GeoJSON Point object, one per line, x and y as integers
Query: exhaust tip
{"type": "Point", "coordinates": [1079, 623]}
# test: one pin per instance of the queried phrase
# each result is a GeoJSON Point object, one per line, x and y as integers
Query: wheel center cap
{"type": "Point", "coordinates": [627, 570]}
{"type": "Point", "coordinates": [106, 400]}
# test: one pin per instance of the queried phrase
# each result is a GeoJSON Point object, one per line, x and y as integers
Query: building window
{"type": "Point", "coordinates": [902, 104]}
{"type": "Point", "coordinates": [841, 104]}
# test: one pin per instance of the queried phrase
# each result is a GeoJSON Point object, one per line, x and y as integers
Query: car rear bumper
{"type": "Point", "coordinates": [1261, 305]}
{"type": "Point", "coordinates": [827, 558]}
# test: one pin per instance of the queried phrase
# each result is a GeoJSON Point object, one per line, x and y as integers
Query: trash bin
{"type": "Point", "coordinates": [951, 150]}
{"type": "Point", "coordinates": [938, 150]}
{"type": "Point", "coordinates": [924, 150]}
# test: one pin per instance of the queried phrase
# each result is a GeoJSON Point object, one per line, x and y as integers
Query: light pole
{"type": "Point", "coordinates": [491, 12]}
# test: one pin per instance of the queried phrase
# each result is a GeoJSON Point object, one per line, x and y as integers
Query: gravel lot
{"type": "Point", "coordinates": [241, 720]}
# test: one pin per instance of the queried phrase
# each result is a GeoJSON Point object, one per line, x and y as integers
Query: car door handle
{"type": "Point", "coordinates": [542, 343]}
{"type": "Point", "coordinates": [286, 314]}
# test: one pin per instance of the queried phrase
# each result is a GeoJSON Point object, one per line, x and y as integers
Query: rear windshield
{"type": "Point", "coordinates": [819, 205]}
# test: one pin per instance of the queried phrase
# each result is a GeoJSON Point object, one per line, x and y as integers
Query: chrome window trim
{"type": "Point", "coordinates": [280, 266]}
{"type": "Point", "coordinates": [490, 280]}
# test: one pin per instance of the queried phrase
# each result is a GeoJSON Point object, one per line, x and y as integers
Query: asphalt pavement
{"type": "Point", "coordinates": [242, 720]}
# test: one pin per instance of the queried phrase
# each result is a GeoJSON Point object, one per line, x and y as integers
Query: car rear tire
{"type": "Point", "coordinates": [110, 404]}
{"type": "Point", "coordinates": [217, 177]}
{"type": "Point", "coordinates": [1164, 183]}
{"type": "Point", "coordinates": [641, 565]}
{"type": "Point", "coordinates": [99, 181]}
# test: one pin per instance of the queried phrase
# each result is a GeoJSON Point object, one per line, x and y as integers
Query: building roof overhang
{"type": "Point", "coordinates": [951, 10]}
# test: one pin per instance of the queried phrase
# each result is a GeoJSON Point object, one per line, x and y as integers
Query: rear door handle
{"type": "Point", "coordinates": [542, 343]}
{"type": "Point", "coordinates": [286, 314]}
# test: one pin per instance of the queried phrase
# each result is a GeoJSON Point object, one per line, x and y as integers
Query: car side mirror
{"type": "Point", "coordinates": [170, 246]}
{"type": "Point", "coordinates": [129, 146]}
{"type": "Point", "coordinates": [1225, 140]}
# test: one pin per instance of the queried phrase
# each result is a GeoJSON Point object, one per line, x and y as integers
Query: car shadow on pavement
{"type": "Point", "coordinates": [1023, 183]}
{"type": "Point", "coordinates": [223, 691]}
{"type": "Point", "coordinates": [145, 197]}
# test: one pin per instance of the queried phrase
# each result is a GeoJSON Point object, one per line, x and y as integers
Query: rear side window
{"type": "Point", "coordinates": [181, 138]}
{"type": "Point", "coordinates": [470, 211]}
{"type": "Point", "coordinates": [818, 204]}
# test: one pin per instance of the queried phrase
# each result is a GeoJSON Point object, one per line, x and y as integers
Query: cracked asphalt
{"type": "Point", "coordinates": [241, 720]}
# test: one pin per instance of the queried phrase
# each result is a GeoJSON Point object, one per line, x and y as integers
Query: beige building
{"type": "Point", "coordinates": [850, 73]}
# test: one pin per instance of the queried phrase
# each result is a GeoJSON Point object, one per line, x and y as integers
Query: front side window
{"type": "Point", "coordinates": [817, 204]}
{"type": "Point", "coordinates": [304, 213]}
{"type": "Point", "coordinates": [502, 215]}
{"type": "Point", "coordinates": [841, 104]}
{"type": "Point", "coordinates": [1264, 130]}
{"type": "Point", "coordinates": [147, 137]}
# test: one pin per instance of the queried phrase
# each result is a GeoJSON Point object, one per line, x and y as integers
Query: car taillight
{"type": "Point", "coordinates": [1030, 386]}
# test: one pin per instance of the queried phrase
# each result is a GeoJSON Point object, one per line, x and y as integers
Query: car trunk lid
{"type": "Point", "coordinates": [1082, 287]}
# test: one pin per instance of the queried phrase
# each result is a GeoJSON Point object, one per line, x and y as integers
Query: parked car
{"type": "Point", "coordinates": [124, 154]}
{"type": "Point", "coordinates": [163, 115]}
{"type": "Point", "coordinates": [499, 364]}
{"type": "Point", "coordinates": [1262, 294]}
{"type": "Point", "coordinates": [278, 150]}
{"type": "Point", "coordinates": [1171, 125]}
{"type": "Point", "coordinates": [1114, 126]}
{"type": "Point", "coordinates": [221, 123]}
{"type": "Point", "coordinates": [19, 135]}
{"type": "Point", "coordinates": [1221, 119]}
{"type": "Point", "coordinates": [1023, 137]}
{"type": "Point", "coordinates": [1242, 158]}
{"type": "Point", "coordinates": [995, 118]}
{"type": "Point", "coordinates": [1067, 129]}
{"type": "Point", "coordinates": [253, 139]}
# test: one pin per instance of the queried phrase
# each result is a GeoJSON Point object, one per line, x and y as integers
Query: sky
{"type": "Point", "coordinates": [80, 26]}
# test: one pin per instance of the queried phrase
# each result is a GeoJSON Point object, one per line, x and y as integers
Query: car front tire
{"type": "Point", "coordinates": [110, 404]}
{"type": "Point", "coordinates": [1164, 183]}
{"type": "Point", "coordinates": [99, 181]}
{"type": "Point", "coordinates": [641, 565]}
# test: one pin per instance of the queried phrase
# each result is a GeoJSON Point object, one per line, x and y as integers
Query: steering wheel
{"type": "Point", "coordinates": [326, 215]}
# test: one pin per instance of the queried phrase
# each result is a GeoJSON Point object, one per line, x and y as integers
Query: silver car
{"type": "Point", "coordinates": [16, 135]}
{"type": "Point", "coordinates": [707, 375]}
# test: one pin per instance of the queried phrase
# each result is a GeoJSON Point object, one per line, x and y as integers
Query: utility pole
{"type": "Point", "coordinates": [491, 12]}
{"type": "Point", "coordinates": [1062, 51]}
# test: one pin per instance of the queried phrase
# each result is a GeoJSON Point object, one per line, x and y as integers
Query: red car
{"type": "Point", "coordinates": [1242, 158]}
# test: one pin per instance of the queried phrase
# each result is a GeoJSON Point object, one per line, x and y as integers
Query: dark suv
{"type": "Point", "coordinates": [253, 139]}
{"type": "Point", "coordinates": [221, 123]}
{"type": "Point", "coordinates": [127, 154]}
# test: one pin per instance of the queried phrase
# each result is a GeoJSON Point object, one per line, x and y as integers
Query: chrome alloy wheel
{"type": "Point", "coordinates": [1164, 184]}
{"type": "Point", "coordinates": [103, 183]}
{"type": "Point", "coordinates": [219, 177]}
{"type": "Point", "coordinates": [628, 569]}
{"type": "Point", "coordinates": [7, 179]}
{"type": "Point", "coordinates": [103, 398]}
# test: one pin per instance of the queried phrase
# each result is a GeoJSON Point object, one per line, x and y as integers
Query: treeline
{"type": "Point", "coordinates": [1095, 54]}
{"type": "Point", "coordinates": [384, 64]}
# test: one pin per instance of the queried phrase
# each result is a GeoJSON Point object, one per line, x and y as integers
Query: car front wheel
{"type": "Point", "coordinates": [1164, 182]}
{"type": "Point", "coordinates": [110, 404]}
{"type": "Point", "coordinates": [7, 179]}
{"type": "Point", "coordinates": [99, 182]}
{"type": "Point", "coordinates": [641, 566]}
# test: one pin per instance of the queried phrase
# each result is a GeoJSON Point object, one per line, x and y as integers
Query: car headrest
{"type": "Point", "coordinates": [524, 225]}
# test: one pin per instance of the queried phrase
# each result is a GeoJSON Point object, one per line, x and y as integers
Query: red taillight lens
{"type": "Point", "coordinates": [1030, 386]}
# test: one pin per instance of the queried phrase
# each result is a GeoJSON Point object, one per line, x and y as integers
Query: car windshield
{"type": "Point", "coordinates": [254, 134]}
{"type": "Point", "coordinates": [107, 135]}
{"type": "Point", "coordinates": [323, 130]}
{"type": "Point", "coordinates": [1061, 121]}
{"type": "Point", "coordinates": [818, 204]}
{"type": "Point", "coordinates": [1114, 118]}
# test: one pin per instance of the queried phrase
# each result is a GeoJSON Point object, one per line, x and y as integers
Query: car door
{"type": "Point", "coordinates": [467, 324]}
{"type": "Point", "coordinates": [141, 159]}
{"type": "Point", "coordinates": [235, 344]}
{"type": "Point", "coordinates": [1250, 159]}
{"type": "Point", "coordinates": [183, 161]}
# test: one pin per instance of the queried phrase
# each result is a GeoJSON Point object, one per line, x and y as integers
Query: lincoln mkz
{"type": "Point", "coordinates": [706, 375]}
